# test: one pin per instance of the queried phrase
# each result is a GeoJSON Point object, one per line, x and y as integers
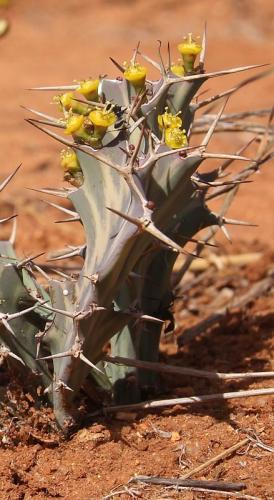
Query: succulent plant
{"type": "Point", "coordinates": [132, 167]}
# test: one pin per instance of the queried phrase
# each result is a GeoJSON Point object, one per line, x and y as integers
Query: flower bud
{"type": "Point", "coordinates": [135, 74]}
{"type": "Point", "coordinates": [89, 89]}
{"type": "Point", "coordinates": [83, 131]}
{"type": "Point", "coordinates": [74, 123]}
{"type": "Point", "coordinates": [72, 169]}
{"type": "Point", "coordinates": [68, 103]}
{"type": "Point", "coordinates": [69, 161]}
{"type": "Point", "coordinates": [178, 68]}
{"type": "Point", "coordinates": [189, 49]}
{"type": "Point", "coordinates": [102, 119]}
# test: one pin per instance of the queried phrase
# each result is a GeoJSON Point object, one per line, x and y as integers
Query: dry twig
{"type": "Point", "coordinates": [149, 405]}
{"type": "Point", "coordinates": [181, 370]}
{"type": "Point", "coordinates": [189, 483]}
{"type": "Point", "coordinates": [215, 459]}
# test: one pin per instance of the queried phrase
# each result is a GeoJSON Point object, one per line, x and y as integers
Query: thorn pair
{"type": "Point", "coordinates": [75, 352]}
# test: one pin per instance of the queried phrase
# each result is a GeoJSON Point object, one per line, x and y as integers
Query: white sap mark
{"type": "Point", "coordinates": [65, 292]}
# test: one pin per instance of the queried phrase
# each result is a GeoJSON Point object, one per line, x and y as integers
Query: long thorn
{"type": "Point", "coordinates": [216, 73]}
{"type": "Point", "coordinates": [6, 352]}
{"type": "Point", "coordinates": [7, 326]}
{"type": "Point", "coordinates": [226, 233]}
{"type": "Point", "coordinates": [225, 156]}
{"type": "Point", "coordinates": [135, 52]}
{"type": "Point", "coordinates": [212, 127]}
{"type": "Point", "coordinates": [57, 137]}
{"type": "Point", "coordinates": [72, 253]}
{"type": "Point", "coordinates": [64, 354]}
{"type": "Point", "coordinates": [162, 66]}
{"type": "Point", "coordinates": [59, 311]}
{"type": "Point", "coordinates": [24, 311]}
{"type": "Point", "coordinates": [57, 88]}
{"type": "Point", "coordinates": [61, 193]}
{"type": "Point", "coordinates": [168, 56]}
{"type": "Point", "coordinates": [42, 272]}
{"type": "Point", "coordinates": [8, 179]}
{"type": "Point", "coordinates": [12, 237]}
{"type": "Point", "coordinates": [214, 98]}
{"type": "Point", "coordinates": [71, 219]}
{"type": "Point", "coordinates": [89, 363]}
{"type": "Point", "coordinates": [151, 61]}
{"type": "Point", "coordinates": [235, 222]}
{"type": "Point", "coordinates": [203, 51]}
{"type": "Point", "coordinates": [7, 219]}
{"type": "Point", "coordinates": [24, 262]}
{"type": "Point", "coordinates": [59, 207]}
{"type": "Point", "coordinates": [55, 123]}
{"type": "Point", "coordinates": [42, 115]}
{"type": "Point", "coordinates": [88, 150]}
{"type": "Point", "coordinates": [118, 66]}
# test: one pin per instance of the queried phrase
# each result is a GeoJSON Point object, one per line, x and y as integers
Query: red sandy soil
{"type": "Point", "coordinates": [53, 42]}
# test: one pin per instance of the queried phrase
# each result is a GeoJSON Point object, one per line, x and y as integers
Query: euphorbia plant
{"type": "Point", "coordinates": [135, 186]}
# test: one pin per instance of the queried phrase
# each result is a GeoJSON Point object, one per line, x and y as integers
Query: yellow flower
{"type": "Point", "coordinates": [74, 123]}
{"type": "Point", "coordinates": [69, 161]}
{"type": "Point", "coordinates": [189, 49]}
{"type": "Point", "coordinates": [168, 120]}
{"type": "Point", "coordinates": [66, 100]}
{"type": "Point", "coordinates": [68, 103]}
{"type": "Point", "coordinates": [89, 88]}
{"type": "Point", "coordinates": [72, 169]}
{"type": "Point", "coordinates": [135, 74]}
{"type": "Point", "coordinates": [189, 46]}
{"type": "Point", "coordinates": [178, 68]}
{"type": "Point", "coordinates": [83, 131]}
{"type": "Point", "coordinates": [175, 138]}
{"type": "Point", "coordinates": [102, 119]}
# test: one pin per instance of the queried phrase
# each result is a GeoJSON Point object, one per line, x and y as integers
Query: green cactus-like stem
{"type": "Point", "coordinates": [16, 289]}
{"type": "Point", "coordinates": [139, 202]}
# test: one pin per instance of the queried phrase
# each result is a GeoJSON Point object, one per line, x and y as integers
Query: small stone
{"type": "Point", "coordinates": [175, 436]}
{"type": "Point", "coordinates": [4, 26]}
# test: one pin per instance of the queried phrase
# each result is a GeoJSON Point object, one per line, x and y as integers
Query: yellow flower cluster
{"type": "Point", "coordinates": [92, 128]}
{"type": "Point", "coordinates": [168, 120]}
{"type": "Point", "coordinates": [86, 121]}
{"type": "Point", "coordinates": [174, 135]}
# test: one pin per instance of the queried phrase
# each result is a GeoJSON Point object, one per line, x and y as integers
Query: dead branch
{"type": "Point", "coordinates": [216, 459]}
{"type": "Point", "coordinates": [189, 483]}
{"type": "Point", "coordinates": [150, 405]}
{"type": "Point", "coordinates": [181, 370]}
